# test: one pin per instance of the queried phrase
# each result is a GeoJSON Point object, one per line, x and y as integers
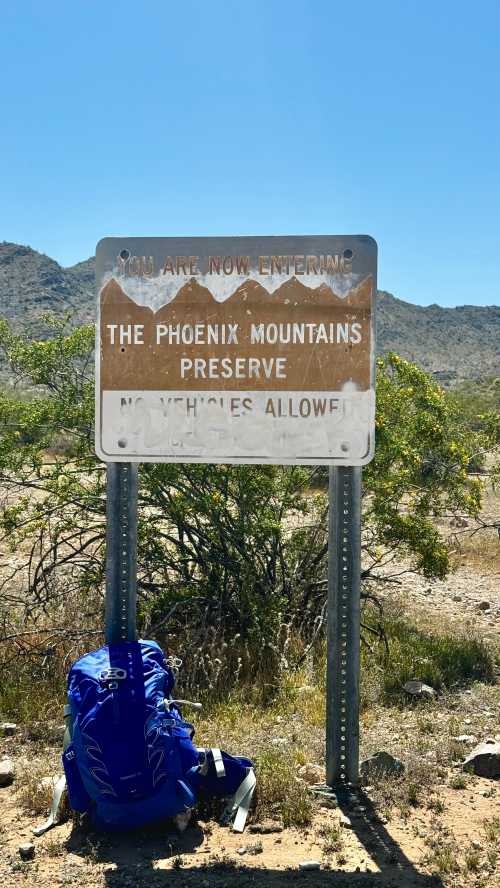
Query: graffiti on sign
{"type": "Point", "coordinates": [236, 350]}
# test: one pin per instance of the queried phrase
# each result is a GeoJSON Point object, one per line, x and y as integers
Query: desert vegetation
{"type": "Point", "coordinates": [232, 578]}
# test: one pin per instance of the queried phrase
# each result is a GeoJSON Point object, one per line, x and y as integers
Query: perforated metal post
{"type": "Point", "coordinates": [344, 577]}
{"type": "Point", "coordinates": [121, 552]}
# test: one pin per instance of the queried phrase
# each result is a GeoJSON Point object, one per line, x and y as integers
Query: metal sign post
{"type": "Point", "coordinates": [242, 350]}
{"type": "Point", "coordinates": [121, 552]}
{"type": "Point", "coordinates": [344, 574]}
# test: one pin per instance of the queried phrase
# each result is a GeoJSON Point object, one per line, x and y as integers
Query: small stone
{"type": "Point", "coordinates": [484, 760]}
{"type": "Point", "coordinates": [309, 865]}
{"type": "Point", "coordinates": [279, 741]}
{"type": "Point", "coordinates": [465, 738]}
{"type": "Point", "coordinates": [476, 845]}
{"type": "Point", "coordinates": [27, 851]}
{"type": "Point", "coordinates": [241, 851]}
{"type": "Point", "coordinates": [484, 606]}
{"type": "Point", "coordinates": [312, 773]}
{"type": "Point", "coordinates": [8, 729]}
{"type": "Point", "coordinates": [381, 763]}
{"type": "Point", "coordinates": [418, 689]}
{"type": "Point", "coordinates": [57, 733]}
{"type": "Point", "coordinates": [324, 795]}
{"type": "Point", "coordinates": [266, 827]}
{"type": "Point", "coordinates": [345, 821]}
{"type": "Point", "coordinates": [6, 772]}
{"type": "Point", "coordinates": [328, 802]}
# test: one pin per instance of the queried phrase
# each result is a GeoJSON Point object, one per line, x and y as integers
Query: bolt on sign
{"type": "Point", "coordinates": [236, 350]}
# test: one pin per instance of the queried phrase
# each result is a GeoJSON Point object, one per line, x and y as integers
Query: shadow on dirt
{"type": "Point", "coordinates": [135, 858]}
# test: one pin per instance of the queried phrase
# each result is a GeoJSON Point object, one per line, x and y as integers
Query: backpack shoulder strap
{"type": "Point", "coordinates": [55, 808]}
{"type": "Point", "coordinates": [239, 805]}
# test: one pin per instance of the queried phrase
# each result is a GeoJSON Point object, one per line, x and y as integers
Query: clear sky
{"type": "Point", "coordinates": [211, 117]}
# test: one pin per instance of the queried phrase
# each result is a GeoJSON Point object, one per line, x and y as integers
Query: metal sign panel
{"type": "Point", "coordinates": [236, 350]}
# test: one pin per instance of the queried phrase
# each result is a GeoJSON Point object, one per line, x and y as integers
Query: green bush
{"type": "Point", "coordinates": [442, 661]}
{"type": "Point", "coordinates": [232, 559]}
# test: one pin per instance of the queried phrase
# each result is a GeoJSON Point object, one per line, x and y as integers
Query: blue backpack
{"type": "Point", "coordinates": [129, 756]}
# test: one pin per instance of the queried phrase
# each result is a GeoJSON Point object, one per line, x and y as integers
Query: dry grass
{"type": "Point", "coordinates": [332, 838]}
{"type": "Point", "coordinates": [480, 551]}
{"type": "Point", "coordinates": [492, 830]}
{"type": "Point", "coordinates": [458, 781]}
{"type": "Point", "coordinates": [443, 855]}
{"type": "Point", "coordinates": [36, 781]}
{"type": "Point", "coordinates": [280, 793]}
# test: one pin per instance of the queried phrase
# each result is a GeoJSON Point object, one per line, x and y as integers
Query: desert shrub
{"type": "Point", "coordinates": [279, 792]}
{"type": "Point", "coordinates": [440, 659]}
{"type": "Point", "coordinates": [35, 787]}
{"type": "Point", "coordinates": [232, 559]}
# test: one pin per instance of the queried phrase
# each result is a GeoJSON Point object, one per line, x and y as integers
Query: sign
{"type": "Point", "coordinates": [236, 350]}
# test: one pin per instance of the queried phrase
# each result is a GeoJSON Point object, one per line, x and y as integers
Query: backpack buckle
{"type": "Point", "coordinates": [114, 673]}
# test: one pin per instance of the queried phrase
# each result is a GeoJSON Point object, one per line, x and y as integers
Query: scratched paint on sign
{"type": "Point", "coordinates": [236, 350]}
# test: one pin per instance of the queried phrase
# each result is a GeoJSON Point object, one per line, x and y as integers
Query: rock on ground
{"type": "Point", "coordinates": [267, 826]}
{"type": "Point", "coordinates": [484, 760]}
{"type": "Point", "coordinates": [8, 729]}
{"type": "Point", "coordinates": [6, 772]}
{"type": "Point", "coordinates": [312, 773]}
{"type": "Point", "coordinates": [381, 764]}
{"type": "Point", "coordinates": [418, 689]}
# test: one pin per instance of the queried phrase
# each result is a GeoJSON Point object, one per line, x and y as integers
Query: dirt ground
{"type": "Point", "coordinates": [374, 852]}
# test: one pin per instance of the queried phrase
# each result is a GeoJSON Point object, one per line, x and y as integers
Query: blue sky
{"type": "Point", "coordinates": [211, 118]}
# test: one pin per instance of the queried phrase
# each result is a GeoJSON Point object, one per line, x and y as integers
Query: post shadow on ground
{"type": "Point", "coordinates": [131, 857]}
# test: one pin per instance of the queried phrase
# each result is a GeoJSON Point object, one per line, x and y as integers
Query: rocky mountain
{"type": "Point", "coordinates": [452, 343]}
{"type": "Point", "coordinates": [31, 284]}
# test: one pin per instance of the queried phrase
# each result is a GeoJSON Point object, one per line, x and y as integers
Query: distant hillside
{"type": "Point", "coordinates": [31, 284]}
{"type": "Point", "coordinates": [452, 343]}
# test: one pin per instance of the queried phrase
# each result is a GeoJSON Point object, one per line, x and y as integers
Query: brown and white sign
{"type": "Point", "coordinates": [236, 350]}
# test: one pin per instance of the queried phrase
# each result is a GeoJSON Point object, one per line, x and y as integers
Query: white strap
{"type": "Point", "coordinates": [241, 801]}
{"type": "Point", "coordinates": [218, 762]}
{"type": "Point", "coordinates": [184, 703]}
{"type": "Point", "coordinates": [55, 812]}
